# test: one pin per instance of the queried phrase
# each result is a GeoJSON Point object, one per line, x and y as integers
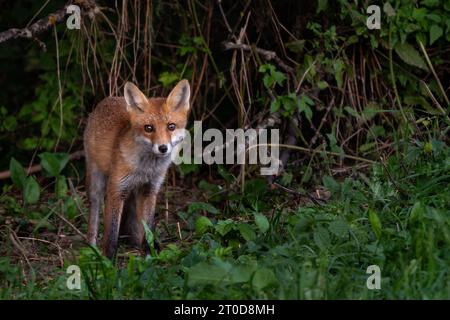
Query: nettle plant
{"type": "Point", "coordinates": [51, 117]}
{"type": "Point", "coordinates": [407, 28]}
{"type": "Point", "coordinates": [288, 103]}
{"type": "Point", "coordinates": [37, 210]}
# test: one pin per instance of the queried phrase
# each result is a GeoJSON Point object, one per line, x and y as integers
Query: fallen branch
{"type": "Point", "coordinates": [36, 28]}
{"type": "Point", "coordinates": [44, 24]}
{"type": "Point", "coordinates": [37, 167]}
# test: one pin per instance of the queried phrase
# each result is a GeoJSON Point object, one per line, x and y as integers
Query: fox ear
{"type": "Point", "coordinates": [178, 99]}
{"type": "Point", "coordinates": [135, 99]}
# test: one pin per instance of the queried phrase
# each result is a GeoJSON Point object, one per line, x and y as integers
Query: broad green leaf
{"type": "Point", "coordinates": [304, 104]}
{"type": "Point", "coordinates": [240, 274]}
{"type": "Point", "coordinates": [308, 100]}
{"type": "Point", "coordinates": [54, 163]}
{"type": "Point", "coordinates": [377, 131]}
{"type": "Point", "coordinates": [246, 231]}
{"type": "Point", "coordinates": [370, 111]}
{"type": "Point", "coordinates": [419, 14]}
{"type": "Point", "coordinates": [338, 72]}
{"type": "Point", "coordinates": [322, 85]}
{"type": "Point", "coordinates": [410, 55]}
{"type": "Point", "coordinates": [435, 33]}
{"type": "Point", "coordinates": [31, 191]}
{"type": "Point", "coordinates": [322, 237]}
{"type": "Point", "coordinates": [428, 147]}
{"type": "Point", "coordinates": [265, 67]}
{"type": "Point", "coordinates": [275, 105]}
{"type": "Point", "coordinates": [286, 178]}
{"type": "Point", "coordinates": [187, 168]}
{"type": "Point", "coordinates": [339, 227]}
{"type": "Point", "coordinates": [61, 187]}
{"type": "Point", "coordinates": [307, 175]}
{"type": "Point", "coordinates": [18, 173]}
{"type": "Point", "coordinates": [70, 207]}
{"type": "Point", "coordinates": [279, 77]}
{"type": "Point", "coordinates": [202, 206]}
{"type": "Point", "coordinates": [268, 81]}
{"type": "Point", "coordinates": [218, 272]}
{"type": "Point", "coordinates": [433, 17]}
{"type": "Point", "coordinates": [263, 278]}
{"type": "Point", "coordinates": [224, 226]}
{"type": "Point", "coordinates": [417, 212]}
{"type": "Point", "coordinates": [205, 273]}
{"type": "Point", "coordinates": [421, 101]}
{"type": "Point", "coordinates": [271, 75]}
{"type": "Point", "coordinates": [375, 223]}
{"type": "Point", "coordinates": [10, 123]}
{"type": "Point", "coordinates": [202, 224]}
{"type": "Point", "coordinates": [296, 45]}
{"type": "Point", "coordinates": [289, 103]}
{"type": "Point", "coordinates": [330, 184]}
{"type": "Point", "coordinates": [262, 222]}
{"type": "Point", "coordinates": [225, 174]}
{"type": "Point", "coordinates": [367, 146]}
{"type": "Point", "coordinates": [322, 5]}
{"type": "Point", "coordinates": [387, 8]}
{"type": "Point", "coordinates": [352, 112]}
{"type": "Point", "coordinates": [148, 233]}
{"type": "Point", "coordinates": [168, 78]}
{"type": "Point", "coordinates": [149, 237]}
{"type": "Point", "coordinates": [169, 253]}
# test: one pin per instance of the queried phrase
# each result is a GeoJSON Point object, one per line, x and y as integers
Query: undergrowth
{"type": "Point", "coordinates": [365, 114]}
{"type": "Point", "coordinates": [395, 216]}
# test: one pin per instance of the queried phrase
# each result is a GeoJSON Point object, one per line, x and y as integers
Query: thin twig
{"type": "Point", "coordinates": [316, 200]}
{"type": "Point", "coordinates": [313, 151]}
{"type": "Point", "coordinates": [72, 226]}
{"type": "Point", "coordinates": [430, 65]}
{"type": "Point", "coordinates": [322, 122]}
{"type": "Point", "coordinates": [267, 54]}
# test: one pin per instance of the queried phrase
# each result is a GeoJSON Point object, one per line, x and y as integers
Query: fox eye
{"type": "Point", "coordinates": [148, 128]}
{"type": "Point", "coordinates": [171, 126]}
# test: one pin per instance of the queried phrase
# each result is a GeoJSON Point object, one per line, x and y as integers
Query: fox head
{"type": "Point", "coordinates": [158, 123]}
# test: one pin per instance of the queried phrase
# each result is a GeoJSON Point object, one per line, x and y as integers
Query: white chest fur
{"type": "Point", "coordinates": [148, 169]}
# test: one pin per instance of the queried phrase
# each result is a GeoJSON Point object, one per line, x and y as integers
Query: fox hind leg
{"type": "Point", "coordinates": [96, 183]}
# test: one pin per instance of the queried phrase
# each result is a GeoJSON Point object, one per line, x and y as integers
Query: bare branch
{"type": "Point", "coordinates": [44, 24]}
{"type": "Point", "coordinates": [267, 54]}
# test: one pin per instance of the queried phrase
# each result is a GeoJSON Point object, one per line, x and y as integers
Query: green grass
{"type": "Point", "coordinates": [396, 216]}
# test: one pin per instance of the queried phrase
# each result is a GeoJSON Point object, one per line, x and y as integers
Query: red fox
{"type": "Point", "coordinates": [128, 142]}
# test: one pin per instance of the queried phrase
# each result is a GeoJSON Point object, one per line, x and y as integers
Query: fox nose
{"type": "Point", "coordinates": [162, 148]}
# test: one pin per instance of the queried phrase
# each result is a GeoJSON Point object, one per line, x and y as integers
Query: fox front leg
{"type": "Point", "coordinates": [145, 211]}
{"type": "Point", "coordinates": [113, 215]}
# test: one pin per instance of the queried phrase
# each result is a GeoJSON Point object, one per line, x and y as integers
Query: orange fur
{"type": "Point", "coordinates": [123, 158]}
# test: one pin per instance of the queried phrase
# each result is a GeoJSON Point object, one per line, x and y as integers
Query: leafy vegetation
{"type": "Point", "coordinates": [364, 118]}
{"type": "Point", "coordinates": [310, 252]}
